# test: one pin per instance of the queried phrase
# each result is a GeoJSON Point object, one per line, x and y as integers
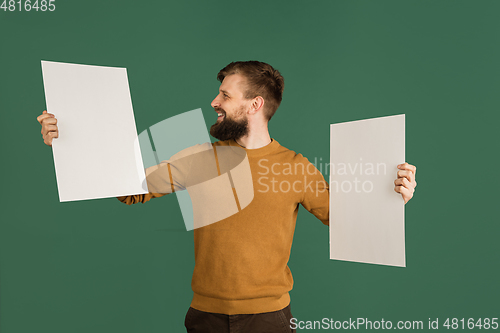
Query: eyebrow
{"type": "Point", "coordinates": [223, 91]}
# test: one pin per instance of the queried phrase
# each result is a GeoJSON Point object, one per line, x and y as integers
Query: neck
{"type": "Point", "coordinates": [256, 138]}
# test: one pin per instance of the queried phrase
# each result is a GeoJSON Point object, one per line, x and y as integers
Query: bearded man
{"type": "Point", "coordinates": [241, 280]}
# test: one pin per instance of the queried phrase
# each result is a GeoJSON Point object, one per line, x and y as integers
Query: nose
{"type": "Point", "coordinates": [215, 102]}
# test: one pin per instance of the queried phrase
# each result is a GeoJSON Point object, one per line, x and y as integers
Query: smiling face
{"type": "Point", "coordinates": [231, 106]}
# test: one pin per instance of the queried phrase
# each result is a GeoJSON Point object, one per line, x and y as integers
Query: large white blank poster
{"type": "Point", "coordinates": [97, 154]}
{"type": "Point", "coordinates": [366, 214]}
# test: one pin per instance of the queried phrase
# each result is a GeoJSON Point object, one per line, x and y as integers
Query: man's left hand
{"type": "Point", "coordinates": [405, 184]}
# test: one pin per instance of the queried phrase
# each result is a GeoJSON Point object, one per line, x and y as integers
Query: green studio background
{"type": "Point", "coordinates": [101, 266]}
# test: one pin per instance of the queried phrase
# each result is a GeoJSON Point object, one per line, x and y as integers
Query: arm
{"type": "Point", "coordinates": [316, 193]}
{"type": "Point", "coordinates": [162, 179]}
{"type": "Point", "coordinates": [173, 175]}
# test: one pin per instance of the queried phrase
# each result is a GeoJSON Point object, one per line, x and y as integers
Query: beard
{"type": "Point", "coordinates": [229, 128]}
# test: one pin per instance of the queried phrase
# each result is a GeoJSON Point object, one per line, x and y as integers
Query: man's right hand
{"type": "Point", "coordinates": [49, 127]}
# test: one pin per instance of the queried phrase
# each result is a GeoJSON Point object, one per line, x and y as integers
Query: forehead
{"type": "Point", "coordinates": [234, 83]}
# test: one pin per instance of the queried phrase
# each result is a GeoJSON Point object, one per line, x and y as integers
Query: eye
{"type": "Point", "coordinates": [226, 96]}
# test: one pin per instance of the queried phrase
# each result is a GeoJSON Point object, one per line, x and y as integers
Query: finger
{"type": "Point", "coordinates": [43, 116]}
{"type": "Point", "coordinates": [405, 183]}
{"type": "Point", "coordinates": [47, 139]}
{"type": "Point", "coordinates": [407, 166]}
{"type": "Point", "coordinates": [50, 128]}
{"type": "Point", "coordinates": [399, 181]}
{"type": "Point", "coordinates": [405, 193]}
{"type": "Point", "coordinates": [407, 174]}
{"type": "Point", "coordinates": [50, 120]}
{"type": "Point", "coordinates": [46, 122]}
{"type": "Point", "coordinates": [51, 134]}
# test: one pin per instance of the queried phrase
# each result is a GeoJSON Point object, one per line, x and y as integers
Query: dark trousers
{"type": "Point", "coordinates": [268, 322]}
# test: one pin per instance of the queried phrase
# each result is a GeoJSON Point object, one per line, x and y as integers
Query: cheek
{"type": "Point", "coordinates": [242, 111]}
{"type": "Point", "coordinates": [241, 114]}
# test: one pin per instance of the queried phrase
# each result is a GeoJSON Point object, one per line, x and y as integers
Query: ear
{"type": "Point", "coordinates": [257, 105]}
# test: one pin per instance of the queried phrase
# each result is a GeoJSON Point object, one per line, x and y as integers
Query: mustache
{"type": "Point", "coordinates": [220, 110]}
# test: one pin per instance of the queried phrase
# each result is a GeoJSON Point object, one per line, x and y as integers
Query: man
{"type": "Point", "coordinates": [241, 280]}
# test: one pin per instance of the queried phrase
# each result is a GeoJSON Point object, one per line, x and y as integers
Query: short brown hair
{"type": "Point", "coordinates": [262, 80]}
